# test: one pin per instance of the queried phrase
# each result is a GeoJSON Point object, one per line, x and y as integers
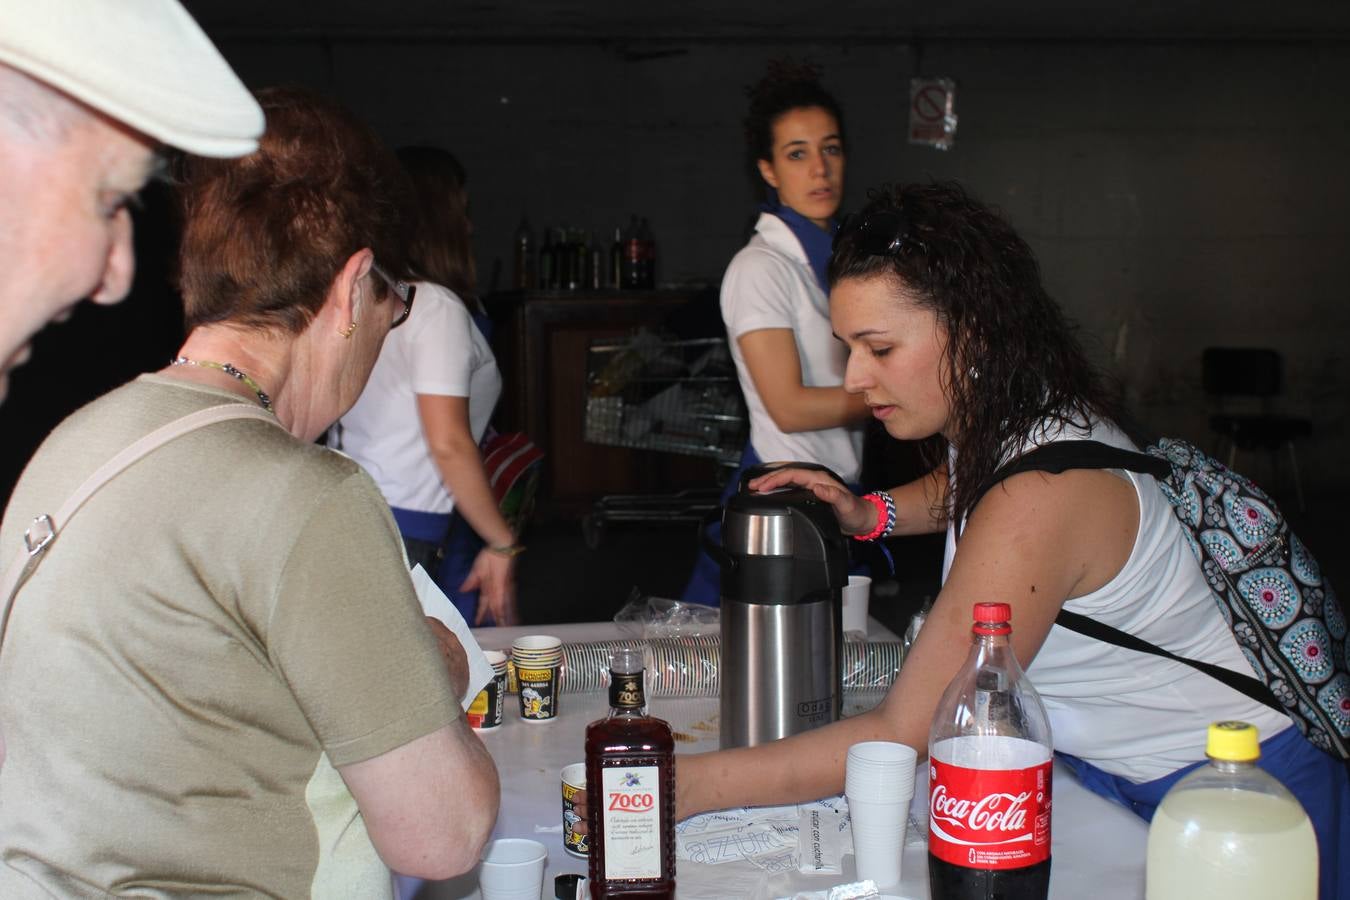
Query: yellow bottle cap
{"type": "Point", "coordinates": [1233, 741]}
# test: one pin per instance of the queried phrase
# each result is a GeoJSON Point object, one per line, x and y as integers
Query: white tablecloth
{"type": "Point", "coordinates": [1098, 847]}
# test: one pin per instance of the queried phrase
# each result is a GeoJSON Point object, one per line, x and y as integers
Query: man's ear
{"type": "Point", "coordinates": [766, 172]}
{"type": "Point", "coordinates": [345, 292]}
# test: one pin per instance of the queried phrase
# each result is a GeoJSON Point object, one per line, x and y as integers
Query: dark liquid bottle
{"type": "Point", "coordinates": [630, 783]}
{"type": "Point", "coordinates": [948, 880]}
{"type": "Point", "coordinates": [616, 260]}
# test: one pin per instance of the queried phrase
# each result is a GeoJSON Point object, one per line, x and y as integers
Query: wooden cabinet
{"type": "Point", "coordinates": [541, 339]}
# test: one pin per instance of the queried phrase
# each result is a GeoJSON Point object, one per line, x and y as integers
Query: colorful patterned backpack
{"type": "Point", "coordinates": [1284, 614]}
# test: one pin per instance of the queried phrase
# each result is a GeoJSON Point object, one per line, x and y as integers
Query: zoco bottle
{"type": "Point", "coordinates": [989, 768]}
{"type": "Point", "coordinates": [1230, 831]}
{"type": "Point", "coordinates": [630, 784]}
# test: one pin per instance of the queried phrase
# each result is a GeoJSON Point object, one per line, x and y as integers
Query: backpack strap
{"type": "Point", "coordinates": [1246, 684]}
{"type": "Point", "coordinates": [1061, 456]}
{"type": "Point", "coordinates": [40, 535]}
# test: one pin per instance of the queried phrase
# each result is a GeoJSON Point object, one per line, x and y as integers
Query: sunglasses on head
{"type": "Point", "coordinates": [884, 232]}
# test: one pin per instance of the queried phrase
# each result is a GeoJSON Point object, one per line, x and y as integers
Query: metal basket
{"type": "Point", "coordinates": [673, 396]}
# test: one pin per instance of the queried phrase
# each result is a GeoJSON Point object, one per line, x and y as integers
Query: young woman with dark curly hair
{"type": "Point", "coordinates": [953, 338]}
{"type": "Point", "coordinates": [773, 296]}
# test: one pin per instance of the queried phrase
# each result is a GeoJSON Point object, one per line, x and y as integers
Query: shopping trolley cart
{"type": "Point", "coordinates": [648, 392]}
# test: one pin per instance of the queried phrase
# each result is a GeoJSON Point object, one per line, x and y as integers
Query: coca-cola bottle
{"type": "Point", "coordinates": [989, 768]}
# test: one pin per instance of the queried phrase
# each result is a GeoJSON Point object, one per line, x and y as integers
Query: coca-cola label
{"type": "Point", "coordinates": [989, 818]}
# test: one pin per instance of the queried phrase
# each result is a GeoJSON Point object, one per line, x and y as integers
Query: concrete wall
{"type": "Point", "coordinates": [1180, 194]}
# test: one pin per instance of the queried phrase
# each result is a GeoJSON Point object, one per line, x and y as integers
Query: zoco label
{"type": "Point", "coordinates": [632, 821]}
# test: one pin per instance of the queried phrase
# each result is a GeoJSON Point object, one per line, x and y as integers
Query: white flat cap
{"type": "Point", "coordinates": [143, 62]}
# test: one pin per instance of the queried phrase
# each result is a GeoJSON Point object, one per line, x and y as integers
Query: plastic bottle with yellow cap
{"type": "Point", "coordinates": [1230, 831]}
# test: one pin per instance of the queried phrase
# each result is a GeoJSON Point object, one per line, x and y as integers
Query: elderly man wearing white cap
{"type": "Point", "coordinates": [88, 90]}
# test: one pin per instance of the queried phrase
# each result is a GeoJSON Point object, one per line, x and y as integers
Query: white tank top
{"type": "Point", "coordinates": [1134, 714]}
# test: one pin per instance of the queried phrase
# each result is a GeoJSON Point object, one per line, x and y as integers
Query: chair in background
{"type": "Point", "coordinates": [1253, 375]}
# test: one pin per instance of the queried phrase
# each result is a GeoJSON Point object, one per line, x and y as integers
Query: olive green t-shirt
{"type": "Point", "coordinates": [219, 626]}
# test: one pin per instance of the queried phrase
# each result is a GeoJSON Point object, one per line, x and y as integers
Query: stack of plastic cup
{"type": "Point", "coordinates": [486, 710]}
{"type": "Point", "coordinates": [879, 785]}
{"type": "Point", "coordinates": [536, 659]}
{"type": "Point", "coordinates": [512, 869]}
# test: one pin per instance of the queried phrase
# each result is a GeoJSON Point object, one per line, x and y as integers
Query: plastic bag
{"type": "Point", "coordinates": [646, 617]}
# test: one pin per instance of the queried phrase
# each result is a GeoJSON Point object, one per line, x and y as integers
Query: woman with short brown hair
{"type": "Point", "coordinates": [224, 646]}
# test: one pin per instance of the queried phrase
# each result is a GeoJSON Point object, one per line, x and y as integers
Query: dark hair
{"type": "Point", "coordinates": [785, 86]}
{"type": "Point", "coordinates": [265, 235]}
{"type": "Point", "coordinates": [1013, 362]}
{"type": "Point", "coordinates": [438, 248]}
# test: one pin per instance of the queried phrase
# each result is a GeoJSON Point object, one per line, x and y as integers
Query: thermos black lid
{"type": "Point", "coordinates": [781, 547]}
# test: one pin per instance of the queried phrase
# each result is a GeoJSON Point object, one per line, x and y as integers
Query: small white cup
{"type": "Point", "coordinates": [856, 596]}
{"type": "Point", "coordinates": [878, 839]}
{"type": "Point", "coordinates": [880, 771]}
{"type": "Point", "coordinates": [512, 869]}
{"type": "Point", "coordinates": [879, 785]}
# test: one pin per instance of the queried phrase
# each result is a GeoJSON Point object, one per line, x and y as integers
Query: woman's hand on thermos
{"type": "Point", "coordinates": [855, 515]}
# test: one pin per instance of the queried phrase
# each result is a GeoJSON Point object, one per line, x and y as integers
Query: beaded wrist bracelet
{"type": "Point", "coordinates": [885, 515]}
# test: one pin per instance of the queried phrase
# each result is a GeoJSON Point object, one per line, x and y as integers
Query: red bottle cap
{"type": "Point", "coordinates": [992, 618]}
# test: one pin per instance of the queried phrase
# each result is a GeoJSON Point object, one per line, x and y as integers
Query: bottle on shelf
{"type": "Point", "coordinates": [632, 255]}
{"type": "Point", "coordinates": [548, 267]}
{"type": "Point", "coordinates": [989, 758]}
{"type": "Point", "coordinates": [524, 269]}
{"type": "Point", "coordinates": [1231, 830]}
{"type": "Point", "coordinates": [595, 269]}
{"type": "Point", "coordinates": [581, 260]}
{"type": "Point", "coordinates": [564, 259]}
{"type": "Point", "coordinates": [616, 260]}
{"type": "Point", "coordinates": [647, 265]}
{"type": "Point", "coordinates": [630, 780]}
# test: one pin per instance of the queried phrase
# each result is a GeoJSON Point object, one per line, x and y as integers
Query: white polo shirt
{"type": "Point", "coordinates": [769, 284]}
{"type": "Point", "coordinates": [437, 351]}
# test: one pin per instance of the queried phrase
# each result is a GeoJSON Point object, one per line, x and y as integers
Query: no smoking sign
{"type": "Point", "coordinates": [932, 112]}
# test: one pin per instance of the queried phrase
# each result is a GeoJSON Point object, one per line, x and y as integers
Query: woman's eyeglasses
{"type": "Point", "coordinates": [885, 232]}
{"type": "Point", "coordinates": [402, 289]}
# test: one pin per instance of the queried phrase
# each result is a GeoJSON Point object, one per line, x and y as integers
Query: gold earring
{"type": "Point", "coordinates": [347, 332]}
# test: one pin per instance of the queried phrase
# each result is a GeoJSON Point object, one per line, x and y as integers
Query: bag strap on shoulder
{"type": "Point", "coordinates": [45, 528]}
{"type": "Point", "coordinates": [1061, 456]}
{"type": "Point", "coordinates": [1064, 455]}
{"type": "Point", "coordinates": [1246, 684]}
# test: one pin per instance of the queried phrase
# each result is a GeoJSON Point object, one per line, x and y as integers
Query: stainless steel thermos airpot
{"type": "Point", "coordinates": [784, 565]}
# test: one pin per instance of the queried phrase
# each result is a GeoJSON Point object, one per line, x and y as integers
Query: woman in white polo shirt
{"type": "Point", "coordinates": [418, 424]}
{"type": "Point", "coordinates": [774, 293]}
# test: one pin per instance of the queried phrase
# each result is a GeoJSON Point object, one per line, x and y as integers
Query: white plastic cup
{"type": "Point", "coordinates": [879, 786]}
{"type": "Point", "coordinates": [856, 596]}
{"type": "Point", "coordinates": [880, 771]}
{"type": "Point", "coordinates": [512, 869]}
{"type": "Point", "coordinates": [878, 839]}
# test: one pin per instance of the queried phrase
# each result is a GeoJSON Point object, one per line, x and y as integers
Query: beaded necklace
{"type": "Point", "coordinates": [233, 372]}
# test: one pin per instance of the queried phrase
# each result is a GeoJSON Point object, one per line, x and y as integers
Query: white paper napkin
{"type": "Point", "coordinates": [438, 606]}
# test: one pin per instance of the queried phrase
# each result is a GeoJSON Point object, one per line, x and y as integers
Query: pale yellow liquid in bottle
{"type": "Point", "coordinates": [1231, 845]}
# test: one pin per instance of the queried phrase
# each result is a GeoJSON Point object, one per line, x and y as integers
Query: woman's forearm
{"type": "Point", "coordinates": [801, 768]}
{"type": "Point", "coordinates": [775, 368]}
{"type": "Point", "coordinates": [921, 505]}
{"type": "Point", "coordinates": [445, 425]}
{"type": "Point", "coordinates": [802, 408]}
{"type": "Point", "coordinates": [465, 478]}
